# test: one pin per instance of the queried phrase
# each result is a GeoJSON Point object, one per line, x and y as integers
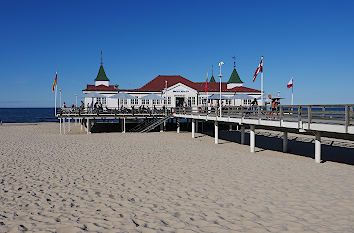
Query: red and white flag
{"type": "Point", "coordinates": [290, 83]}
{"type": "Point", "coordinates": [259, 69]}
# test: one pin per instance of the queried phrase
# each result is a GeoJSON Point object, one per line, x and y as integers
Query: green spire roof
{"type": "Point", "coordinates": [234, 78]}
{"type": "Point", "coordinates": [212, 79]}
{"type": "Point", "coordinates": [101, 76]}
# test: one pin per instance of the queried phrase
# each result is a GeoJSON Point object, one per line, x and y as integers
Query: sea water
{"type": "Point", "coordinates": [27, 115]}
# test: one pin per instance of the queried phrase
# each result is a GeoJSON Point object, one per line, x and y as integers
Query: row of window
{"type": "Point", "coordinates": [103, 101]}
{"type": "Point", "coordinates": [191, 101]}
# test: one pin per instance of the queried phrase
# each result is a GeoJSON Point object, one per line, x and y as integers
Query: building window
{"type": "Point", "coordinates": [121, 102]}
{"type": "Point", "coordinates": [98, 100]}
{"type": "Point", "coordinates": [134, 101]}
{"type": "Point", "coordinates": [147, 102]}
{"type": "Point", "coordinates": [247, 102]}
{"type": "Point", "coordinates": [228, 102]}
{"type": "Point", "coordinates": [142, 102]}
{"type": "Point", "coordinates": [125, 101]}
{"type": "Point", "coordinates": [154, 102]}
{"type": "Point", "coordinates": [193, 100]}
{"type": "Point", "coordinates": [169, 100]}
{"type": "Point", "coordinates": [189, 102]}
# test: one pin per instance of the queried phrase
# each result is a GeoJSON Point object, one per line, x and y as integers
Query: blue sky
{"type": "Point", "coordinates": [310, 40]}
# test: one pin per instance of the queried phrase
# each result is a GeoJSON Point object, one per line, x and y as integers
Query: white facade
{"type": "Point", "coordinates": [174, 96]}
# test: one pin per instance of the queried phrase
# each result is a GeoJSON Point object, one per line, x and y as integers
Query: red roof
{"type": "Point", "coordinates": [215, 87]}
{"type": "Point", "coordinates": [100, 88]}
{"type": "Point", "coordinates": [159, 83]}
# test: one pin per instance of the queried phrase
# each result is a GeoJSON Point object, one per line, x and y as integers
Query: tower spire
{"type": "Point", "coordinates": [101, 57]}
{"type": "Point", "coordinates": [212, 70]}
{"type": "Point", "coordinates": [234, 61]}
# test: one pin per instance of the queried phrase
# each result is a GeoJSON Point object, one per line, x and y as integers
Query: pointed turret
{"type": "Point", "coordinates": [212, 79]}
{"type": "Point", "coordinates": [234, 80]}
{"type": "Point", "coordinates": [101, 78]}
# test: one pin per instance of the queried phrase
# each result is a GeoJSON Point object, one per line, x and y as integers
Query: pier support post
{"type": "Point", "coordinates": [285, 141]}
{"type": "Point", "coordinates": [81, 125]}
{"type": "Point", "coordinates": [216, 132]}
{"type": "Point", "coordinates": [252, 138]}
{"type": "Point", "coordinates": [124, 125]}
{"type": "Point", "coordinates": [318, 147]}
{"type": "Point", "coordinates": [242, 134]}
{"type": "Point", "coordinates": [161, 127]}
{"type": "Point", "coordinates": [69, 119]}
{"type": "Point", "coordinates": [64, 125]}
{"type": "Point", "coordinates": [178, 125]}
{"type": "Point", "coordinates": [88, 126]}
{"type": "Point", "coordinates": [196, 126]}
{"type": "Point", "coordinates": [193, 128]}
{"type": "Point", "coordinates": [230, 127]}
{"type": "Point", "coordinates": [60, 126]}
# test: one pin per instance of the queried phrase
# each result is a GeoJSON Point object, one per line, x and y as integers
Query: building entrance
{"type": "Point", "coordinates": [179, 101]}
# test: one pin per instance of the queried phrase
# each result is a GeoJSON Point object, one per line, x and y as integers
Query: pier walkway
{"type": "Point", "coordinates": [329, 120]}
{"type": "Point", "coordinates": [317, 119]}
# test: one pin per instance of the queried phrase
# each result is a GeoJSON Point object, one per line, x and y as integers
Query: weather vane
{"type": "Point", "coordinates": [101, 57]}
{"type": "Point", "coordinates": [234, 61]}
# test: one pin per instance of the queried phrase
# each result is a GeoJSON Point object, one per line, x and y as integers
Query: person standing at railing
{"type": "Point", "coordinates": [64, 105]}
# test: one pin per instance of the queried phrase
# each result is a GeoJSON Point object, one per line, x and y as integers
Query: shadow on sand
{"type": "Point", "coordinates": [297, 146]}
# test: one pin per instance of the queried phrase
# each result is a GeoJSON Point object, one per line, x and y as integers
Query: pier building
{"type": "Point", "coordinates": [175, 89]}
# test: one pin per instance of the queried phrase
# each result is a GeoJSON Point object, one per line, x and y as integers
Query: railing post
{"type": "Point", "coordinates": [299, 109]}
{"type": "Point", "coordinates": [259, 113]}
{"type": "Point", "coordinates": [347, 118]}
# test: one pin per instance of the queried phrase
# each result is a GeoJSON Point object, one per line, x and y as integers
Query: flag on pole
{"type": "Point", "coordinates": [290, 83]}
{"type": "Point", "coordinates": [259, 69]}
{"type": "Point", "coordinates": [206, 84]}
{"type": "Point", "coordinates": [55, 81]}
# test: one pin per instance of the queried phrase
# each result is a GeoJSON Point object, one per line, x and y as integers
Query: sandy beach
{"type": "Point", "coordinates": [163, 182]}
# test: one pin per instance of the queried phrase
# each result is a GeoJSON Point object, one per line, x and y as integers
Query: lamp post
{"type": "Point", "coordinates": [220, 76]}
{"type": "Point", "coordinates": [76, 100]}
{"type": "Point", "coordinates": [60, 97]}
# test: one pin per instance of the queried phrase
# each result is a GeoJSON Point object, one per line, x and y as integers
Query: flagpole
{"type": "Point", "coordinates": [55, 101]}
{"type": "Point", "coordinates": [55, 96]}
{"type": "Point", "coordinates": [292, 92]}
{"type": "Point", "coordinates": [262, 84]}
{"type": "Point", "coordinates": [207, 103]}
